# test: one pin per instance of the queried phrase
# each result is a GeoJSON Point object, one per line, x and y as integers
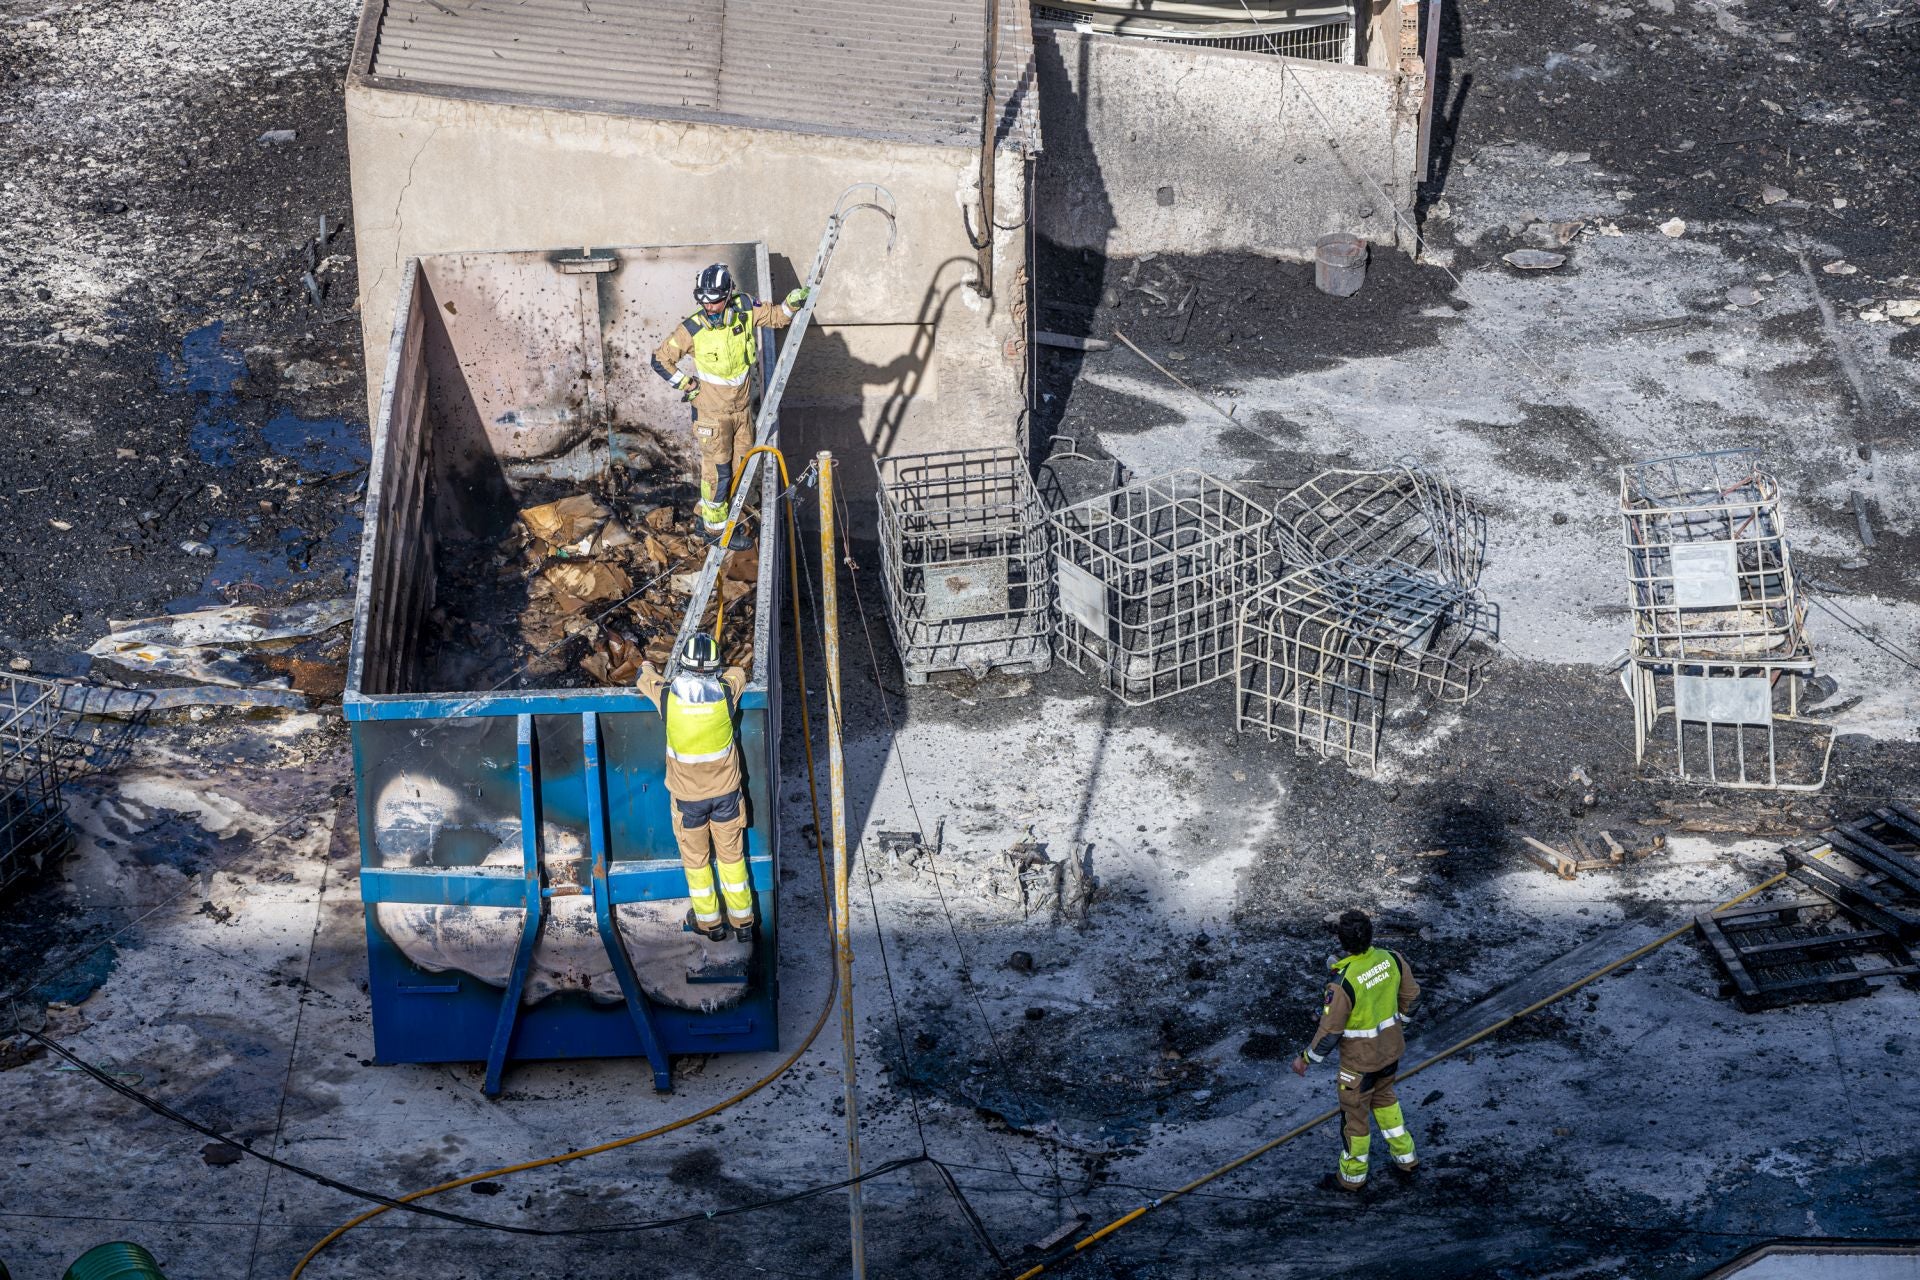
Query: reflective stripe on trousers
{"type": "Point", "coordinates": [1393, 1127]}
{"type": "Point", "coordinates": [706, 904]}
{"type": "Point", "coordinates": [739, 895]}
{"type": "Point", "coordinates": [1353, 1160]}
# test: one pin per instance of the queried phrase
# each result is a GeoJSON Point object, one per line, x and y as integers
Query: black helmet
{"type": "Point", "coordinates": [1355, 931]}
{"type": "Point", "coordinates": [700, 653]}
{"type": "Point", "coordinates": [714, 285]}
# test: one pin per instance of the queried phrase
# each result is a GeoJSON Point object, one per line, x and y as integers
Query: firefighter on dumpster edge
{"type": "Point", "coordinates": [703, 784]}
{"type": "Point", "coordinates": [1366, 1006]}
{"type": "Point", "coordinates": [723, 339]}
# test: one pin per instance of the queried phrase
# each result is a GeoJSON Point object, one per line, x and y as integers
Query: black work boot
{"type": "Point", "coordinates": [743, 933]}
{"type": "Point", "coordinates": [1404, 1172]}
{"type": "Point", "coordinates": [1333, 1182]}
{"type": "Point", "coordinates": [739, 540]}
{"type": "Point", "coordinates": [715, 933]}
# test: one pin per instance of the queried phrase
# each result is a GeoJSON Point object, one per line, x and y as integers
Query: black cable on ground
{"type": "Point", "coordinates": [974, 1223]}
{"type": "Point", "coordinates": [1847, 619]}
{"type": "Point", "coordinates": [166, 1112]}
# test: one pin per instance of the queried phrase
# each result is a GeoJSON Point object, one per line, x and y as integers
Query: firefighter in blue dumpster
{"type": "Point", "coordinates": [703, 784]}
{"type": "Point", "coordinates": [723, 339]}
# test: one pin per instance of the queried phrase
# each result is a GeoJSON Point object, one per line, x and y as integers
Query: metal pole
{"type": "Point", "coordinates": [842, 932]}
{"type": "Point", "coordinates": [989, 135]}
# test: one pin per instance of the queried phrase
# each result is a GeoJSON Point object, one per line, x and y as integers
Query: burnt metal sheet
{"type": "Point", "coordinates": [967, 589]}
{"type": "Point", "coordinates": [662, 52]}
{"type": "Point", "coordinates": [1083, 597]}
{"type": "Point", "coordinates": [1704, 575]}
{"type": "Point", "coordinates": [867, 67]}
{"type": "Point", "coordinates": [1724, 699]}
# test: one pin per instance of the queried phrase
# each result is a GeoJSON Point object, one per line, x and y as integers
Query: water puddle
{"type": "Point", "coordinates": [249, 566]}
{"type": "Point", "coordinates": [206, 367]}
{"type": "Point", "coordinates": [327, 446]}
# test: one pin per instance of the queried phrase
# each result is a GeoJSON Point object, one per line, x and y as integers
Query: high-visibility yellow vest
{"type": "Point", "coordinates": [723, 351]}
{"type": "Point", "coordinates": [1372, 979]}
{"type": "Point", "coordinates": [699, 719]}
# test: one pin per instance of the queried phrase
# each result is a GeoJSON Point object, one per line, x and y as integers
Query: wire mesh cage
{"type": "Point", "coordinates": [33, 817]}
{"type": "Point", "coordinates": [1067, 475]}
{"type": "Point", "coordinates": [963, 538]}
{"type": "Point", "coordinates": [1320, 653]}
{"type": "Point", "coordinates": [1150, 578]}
{"type": "Point", "coordinates": [1719, 649]}
{"type": "Point", "coordinates": [1406, 515]}
{"type": "Point", "coordinates": [1710, 574]}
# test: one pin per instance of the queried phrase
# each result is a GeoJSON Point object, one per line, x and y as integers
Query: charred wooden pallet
{"type": "Point", "coordinates": [1871, 866]}
{"type": "Point", "coordinates": [1586, 855]}
{"type": "Point", "coordinates": [1790, 952]}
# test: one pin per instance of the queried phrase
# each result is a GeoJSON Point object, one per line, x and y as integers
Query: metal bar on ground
{"type": "Point", "coordinates": [1177, 379]}
{"type": "Point", "coordinates": [842, 933]}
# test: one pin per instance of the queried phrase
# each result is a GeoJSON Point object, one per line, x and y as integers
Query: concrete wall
{"type": "Point", "coordinates": [904, 355]}
{"type": "Point", "coordinates": [1156, 147]}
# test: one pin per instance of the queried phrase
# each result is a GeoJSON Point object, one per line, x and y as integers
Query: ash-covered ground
{"type": "Point", "coordinates": [208, 925]}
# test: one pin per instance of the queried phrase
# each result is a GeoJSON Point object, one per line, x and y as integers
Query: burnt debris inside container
{"type": "Point", "coordinates": [587, 584]}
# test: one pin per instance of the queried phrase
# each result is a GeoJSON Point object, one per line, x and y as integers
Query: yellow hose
{"type": "Point", "coordinates": [1133, 1215]}
{"type": "Point", "coordinates": [819, 849]}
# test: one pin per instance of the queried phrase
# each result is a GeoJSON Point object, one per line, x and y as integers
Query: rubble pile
{"type": "Point", "coordinates": [574, 569]}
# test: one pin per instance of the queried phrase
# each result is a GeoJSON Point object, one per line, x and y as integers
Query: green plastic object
{"type": "Point", "coordinates": [120, 1260]}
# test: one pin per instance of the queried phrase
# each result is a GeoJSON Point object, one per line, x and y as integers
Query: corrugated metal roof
{"type": "Point", "coordinates": [894, 68]}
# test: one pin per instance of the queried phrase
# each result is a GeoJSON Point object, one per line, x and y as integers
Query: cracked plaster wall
{"type": "Point", "coordinates": [1155, 148]}
{"type": "Point", "coordinates": [903, 356]}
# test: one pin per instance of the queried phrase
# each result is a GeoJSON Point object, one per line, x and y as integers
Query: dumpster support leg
{"type": "Point", "coordinates": [503, 1028]}
{"type": "Point", "coordinates": [638, 1006]}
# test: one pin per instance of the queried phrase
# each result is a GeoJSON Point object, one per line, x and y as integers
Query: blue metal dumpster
{"type": "Point", "coordinates": [524, 896]}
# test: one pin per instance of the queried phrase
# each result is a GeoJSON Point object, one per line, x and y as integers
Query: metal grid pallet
{"type": "Point", "coordinates": [33, 817]}
{"type": "Point", "coordinates": [1731, 724]}
{"type": "Point", "coordinates": [1790, 952]}
{"type": "Point", "coordinates": [1150, 580]}
{"type": "Point", "coordinates": [963, 541]}
{"type": "Point", "coordinates": [1318, 653]}
{"type": "Point", "coordinates": [1870, 866]}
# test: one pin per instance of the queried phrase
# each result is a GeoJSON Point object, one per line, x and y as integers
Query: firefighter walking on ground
{"type": "Point", "coordinates": [703, 784]}
{"type": "Point", "coordinates": [1366, 1006]}
{"type": "Point", "coordinates": [724, 340]}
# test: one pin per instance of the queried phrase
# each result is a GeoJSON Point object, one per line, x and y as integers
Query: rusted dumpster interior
{"type": "Point", "coordinates": [521, 381]}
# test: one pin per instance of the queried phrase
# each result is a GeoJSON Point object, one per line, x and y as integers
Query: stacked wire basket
{"type": "Point", "coordinates": [1360, 587]}
{"type": "Point", "coordinates": [1719, 651]}
{"type": "Point", "coordinates": [33, 817]}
